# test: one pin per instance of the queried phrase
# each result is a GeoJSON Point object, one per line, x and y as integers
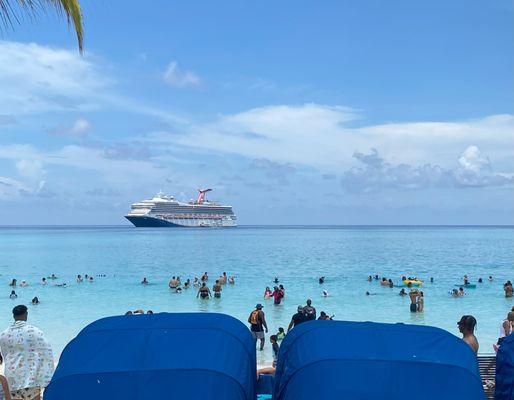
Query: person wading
{"type": "Point", "coordinates": [258, 325]}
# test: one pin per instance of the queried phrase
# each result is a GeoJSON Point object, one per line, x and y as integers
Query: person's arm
{"type": "Point", "coordinates": [264, 322]}
{"type": "Point", "coordinates": [291, 324]}
{"type": "Point", "coordinates": [250, 318]}
{"type": "Point", "coordinates": [198, 293]}
{"type": "Point", "coordinates": [5, 387]}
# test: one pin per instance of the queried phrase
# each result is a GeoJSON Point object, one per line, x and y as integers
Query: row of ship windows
{"type": "Point", "coordinates": [167, 210]}
{"type": "Point", "coordinates": [192, 216]}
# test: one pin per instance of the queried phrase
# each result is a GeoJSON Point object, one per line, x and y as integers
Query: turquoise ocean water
{"type": "Point", "coordinates": [255, 255]}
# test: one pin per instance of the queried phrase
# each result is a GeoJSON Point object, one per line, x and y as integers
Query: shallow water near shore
{"type": "Point", "coordinates": [255, 255]}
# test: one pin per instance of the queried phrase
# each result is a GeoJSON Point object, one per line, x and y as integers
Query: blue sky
{"type": "Point", "coordinates": [294, 112]}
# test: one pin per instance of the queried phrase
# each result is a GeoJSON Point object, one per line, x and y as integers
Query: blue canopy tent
{"type": "Point", "coordinates": [161, 356]}
{"type": "Point", "coordinates": [504, 389]}
{"type": "Point", "coordinates": [365, 360]}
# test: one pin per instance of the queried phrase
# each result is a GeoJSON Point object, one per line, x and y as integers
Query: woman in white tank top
{"type": "Point", "coordinates": [507, 326]}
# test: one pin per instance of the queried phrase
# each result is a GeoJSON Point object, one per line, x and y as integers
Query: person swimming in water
{"type": "Point", "coordinates": [507, 287]}
{"type": "Point", "coordinates": [187, 283]}
{"type": "Point", "coordinates": [205, 277]}
{"type": "Point", "coordinates": [79, 279]}
{"type": "Point", "coordinates": [174, 283]}
{"type": "Point", "coordinates": [43, 281]}
{"type": "Point", "coordinates": [13, 295]}
{"type": "Point", "coordinates": [52, 276]}
{"type": "Point", "coordinates": [403, 292]}
{"type": "Point", "coordinates": [321, 280]}
{"type": "Point", "coordinates": [204, 292]}
{"type": "Point", "coordinates": [144, 281]}
{"type": "Point", "coordinates": [13, 283]}
{"type": "Point", "coordinates": [231, 280]}
{"type": "Point", "coordinates": [267, 293]}
{"type": "Point", "coordinates": [35, 301]}
{"type": "Point", "coordinates": [223, 278]}
{"type": "Point", "coordinates": [325, 293]}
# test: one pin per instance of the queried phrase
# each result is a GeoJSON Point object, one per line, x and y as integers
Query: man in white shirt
{"type": "Point", "coordinates": [29, 362]}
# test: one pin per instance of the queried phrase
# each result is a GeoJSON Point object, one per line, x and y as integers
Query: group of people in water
{"type": "Point", "coordinates": [44, 282]}
{"type": "Point", "coordinates": [203, 291]}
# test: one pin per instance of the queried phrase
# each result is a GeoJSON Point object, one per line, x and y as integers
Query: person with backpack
{"type": "Point", "coordinates": [258, 325]}
{"type": "Point", "coordinates": [309, 311]}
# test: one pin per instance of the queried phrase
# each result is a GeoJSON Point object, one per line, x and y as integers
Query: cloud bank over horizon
{"type": "Point", "coordinates": [61, 143]}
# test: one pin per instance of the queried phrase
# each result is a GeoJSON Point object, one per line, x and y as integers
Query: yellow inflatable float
{"type": "Point", "coordinates": [413, 282]}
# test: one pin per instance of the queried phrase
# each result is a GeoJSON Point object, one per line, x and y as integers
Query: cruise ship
{"type": "Point", "coordinates": [166, 211]}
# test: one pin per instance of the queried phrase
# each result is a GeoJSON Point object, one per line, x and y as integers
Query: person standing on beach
{"type": "Point", "coordinates": [506, 328]}
{"type": "Point", "coordinates": [467, 327]}
{"type": "Point", "coordinates": [258, 325]}
{"type": "Point", "coordinates": [29, 362]}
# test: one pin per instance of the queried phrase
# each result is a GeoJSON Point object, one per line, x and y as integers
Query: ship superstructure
{"type": "Point", "coordinates": [166, 211]}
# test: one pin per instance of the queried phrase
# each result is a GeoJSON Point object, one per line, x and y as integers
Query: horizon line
{"type": "Point", "coordinates": [268, 226]}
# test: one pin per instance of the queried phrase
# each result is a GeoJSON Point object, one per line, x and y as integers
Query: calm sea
{"type": "Point", "coordinates": [255, 255]}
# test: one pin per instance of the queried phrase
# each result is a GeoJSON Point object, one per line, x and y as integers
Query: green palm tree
{"type": "Point", "coordinates": [70, 7]}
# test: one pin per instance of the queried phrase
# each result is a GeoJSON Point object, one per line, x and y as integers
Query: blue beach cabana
{"type": "Point", "coordinates": [365, 360]}
{"type": "Point", "coordinates": [505, 370]}
{"type": "Point", "coordinates": [161, 356]}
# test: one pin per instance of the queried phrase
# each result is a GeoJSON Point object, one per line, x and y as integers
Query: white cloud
{"type": "Point", "coordinates": [375, 174]}
{"type": "Point", "coordinates": [80, 127]}
{"type": "Point", "coordinates": [471, 159]}
{"type": "Point", "coordinates": [178, 78]}
{"type": "Point", "coordinates": [30, 169]}
{"type": "Point", "coordinates": [325, 137]}
{"type": "Point", "coordinates": [36, 79]}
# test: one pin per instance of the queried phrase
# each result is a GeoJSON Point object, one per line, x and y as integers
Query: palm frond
{"type": "Point", "coordinates": [70, 7]}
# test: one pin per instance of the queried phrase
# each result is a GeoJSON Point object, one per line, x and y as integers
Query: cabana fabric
{"type": "Point", "coordinates": [159, 356]}
{"type": "Point", "coordinates": [365, 360]}
{"type": "Point", "coordinates": [504, 389]}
